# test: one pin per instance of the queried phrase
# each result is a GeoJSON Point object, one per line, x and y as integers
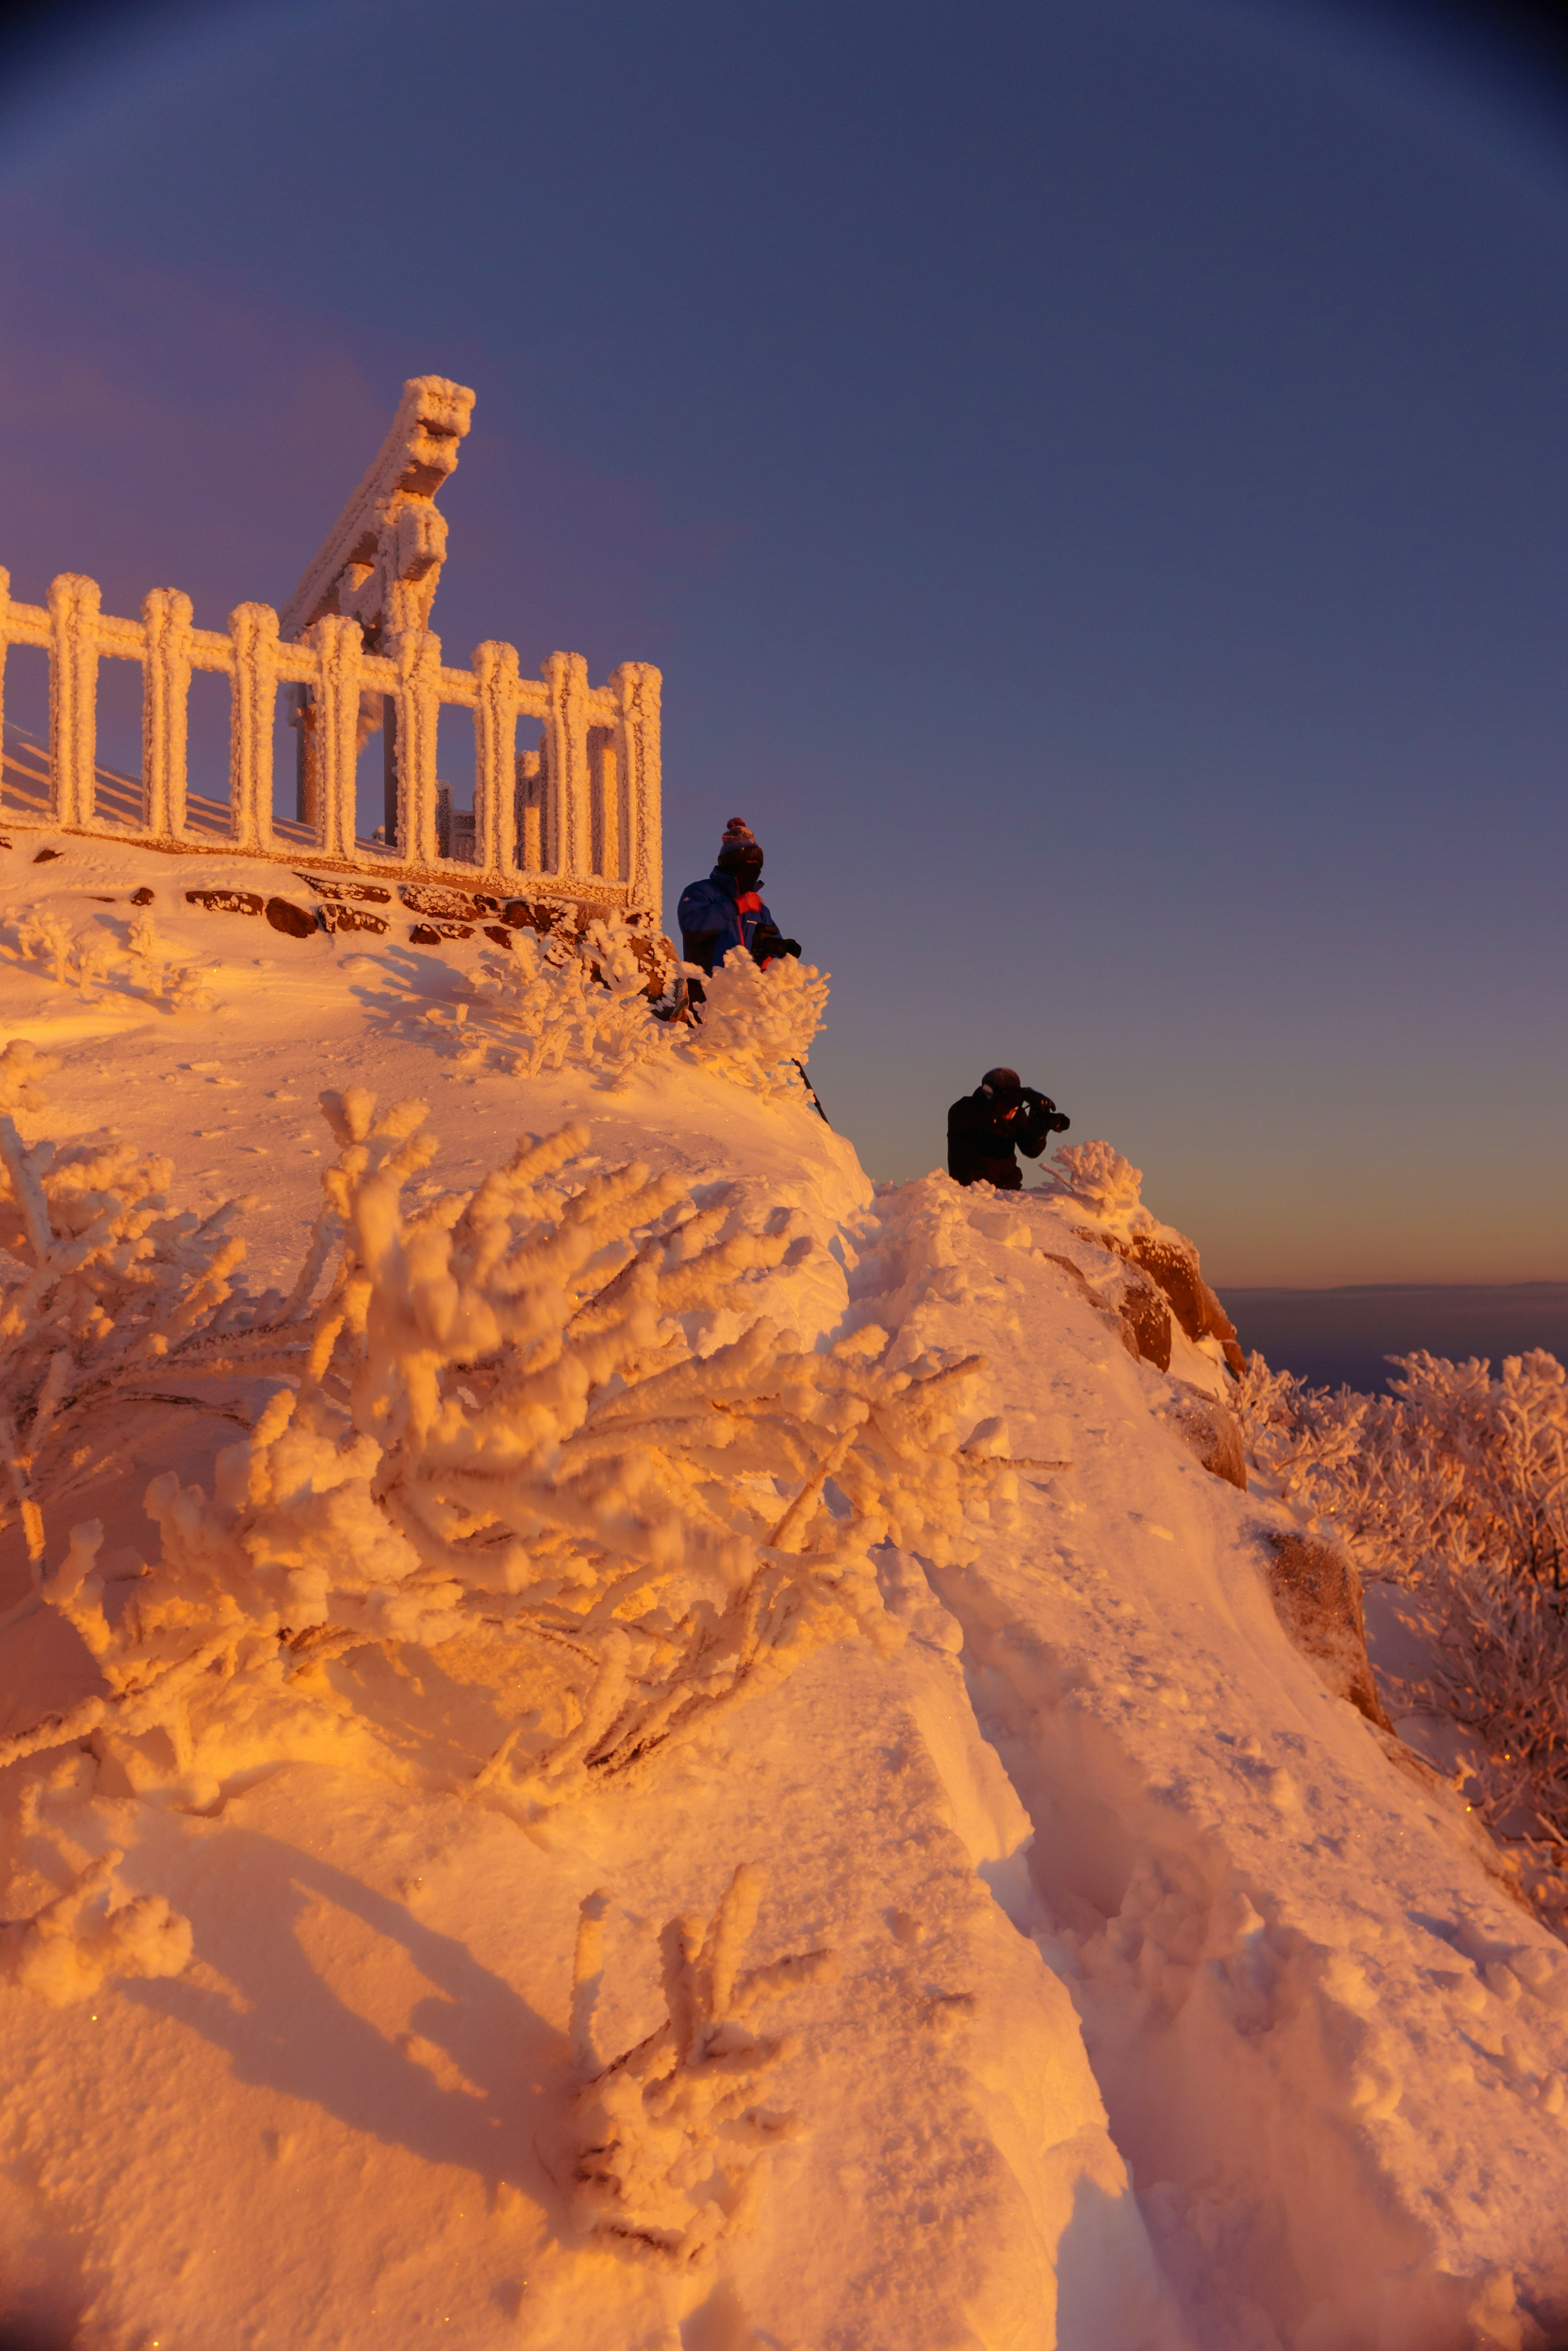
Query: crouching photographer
{"type": "Point", "coordinates": [987, 1129]}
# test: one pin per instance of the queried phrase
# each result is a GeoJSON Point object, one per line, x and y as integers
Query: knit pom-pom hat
{"type": "Point", "coordinates": [738, 835]}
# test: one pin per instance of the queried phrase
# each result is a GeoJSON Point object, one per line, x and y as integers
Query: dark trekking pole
{"type": "Point", "coordinates": [811, 1090]}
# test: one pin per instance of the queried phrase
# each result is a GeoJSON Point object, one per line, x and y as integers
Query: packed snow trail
{"type": "Point", "coordinates": [1066, 1968]}
{"type": "Point", "coordinates": [1331, 2046]}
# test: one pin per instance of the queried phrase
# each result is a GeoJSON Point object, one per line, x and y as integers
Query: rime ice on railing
{"type": "Point", "coordinates": [579, 816]}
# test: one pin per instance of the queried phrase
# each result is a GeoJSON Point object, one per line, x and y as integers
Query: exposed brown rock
{"type": "Point", "coordinates": [1132, 1306]}
{"type": "Point", "coordinates": [295, 921]}
{"type": "Point", "coordinates": [1100, 1305]}
{"type": "Point", "coordinates": [1316, 1590]}
{"type": "Point", "coordinates": [142, 897]}
{"type": "Point", "coordinates": [225, 902]}
{"type": "Point", "coordinates": [543, 914]}
{"type": "Point", "coordinates": [1174, 1266]}
{"type": "Point", "coordinates": [1213, 1433]}
{"type": "Point", "coordinates": [1194, 1304]}
{"type": "Point", "coordinates": [44, 855]}
{"type": "Point", "coordinates": [1146, 1317]}
{"type": "Point", "coordinates": [335, 916]}
{"type": "Point", "coordinates": [449, 906]}
{"type": "Point", "coordinates": [431, 934]}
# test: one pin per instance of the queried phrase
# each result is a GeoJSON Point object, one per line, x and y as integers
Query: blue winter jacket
{"type": "Point", "coordinates": [709, 906]}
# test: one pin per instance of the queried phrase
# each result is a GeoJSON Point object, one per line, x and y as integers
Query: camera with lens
{"type": "Point", "coordinates": [1043, 1111]}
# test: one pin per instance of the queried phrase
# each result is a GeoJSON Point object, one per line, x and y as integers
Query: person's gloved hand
{"type": "Point", "coordinates": [766, 945]}
{"type": "Point", "coordinates": [1043, 1111]}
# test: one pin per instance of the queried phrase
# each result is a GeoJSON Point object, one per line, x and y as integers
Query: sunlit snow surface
{"type": "Point", "coordinates": [1168, 2010]}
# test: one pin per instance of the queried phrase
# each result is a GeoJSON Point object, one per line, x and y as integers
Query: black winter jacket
{"type": "Point", "coordinates": [983, 1139]}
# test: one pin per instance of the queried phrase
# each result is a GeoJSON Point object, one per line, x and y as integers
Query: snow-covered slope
{"type": "Point", "coordinates": [1140, 1995]}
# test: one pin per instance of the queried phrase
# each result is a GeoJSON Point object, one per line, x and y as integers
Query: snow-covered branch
{"type": "Point", "coordinates": [757, 1026]}
{"type": "Point", "coordinates": [675, 2126]}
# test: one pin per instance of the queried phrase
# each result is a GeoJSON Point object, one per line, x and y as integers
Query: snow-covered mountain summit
{"type": "Point", "coordinates": [707, 1757]}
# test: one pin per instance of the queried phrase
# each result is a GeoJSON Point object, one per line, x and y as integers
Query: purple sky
{"type": "Point", "coordinates": [1093, 473]}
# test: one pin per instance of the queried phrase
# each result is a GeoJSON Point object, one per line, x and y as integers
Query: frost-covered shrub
{"type": "Point", "coordinates": [537, 987]}
{"type": "Point", "coordinates": [1505, 1674]}
{"type": "Point", "coordinates": [153, 966]}
{"type": "Point", "coordinates": [49, 940]}
{"type": "Point", "coordinates": [584, 998]}
{"type": "Point", "coordinates": [625, 1032]}
{"type": "Point", "coordinates": [1098, 1176]}
{"type": "Point", "coordinates": [1456, 1482]}
{"type": "Point", "coordinates": [94, 962]}
{"type": "Point", "coordinates": [674, 2128]}
{"type": "Point", "coordinates": [572, 999]}
{"type": "Point", "coordinates": [758, 1025]}
{"type": "Point", "coordinates": [77, 958]}
{"type": "Point", "coordinates": [111, 1304]}
{"type": "Point", "coordinates": [1512, 1433]}
{"type": "Point", "coordinates": [504, 1430]}
{"type": "Point", "coordinates": [1452, 1468]}
{"type": "Point", "coordinates": [1307, 1439]}
{"type": "Point", "coordinates": [87, 959]}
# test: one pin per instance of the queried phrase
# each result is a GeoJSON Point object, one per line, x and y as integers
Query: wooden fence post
{"type": "Point", "coordinates": [567, 761]}
{"type": "Point", "coordinates": [74, 604]}
{"type": "Point", "coordinates": [253, 628]}
{"type": "Point", "coordinates": [417, 653]}
{"type": "Point", "coordinates": [165, 703]}
{"type": "Point", "coordinates": [637, 686]}
{"type": "Point", "coordinates": [339, 642]}
{"type": "Point", "coordinates": [494, 756]}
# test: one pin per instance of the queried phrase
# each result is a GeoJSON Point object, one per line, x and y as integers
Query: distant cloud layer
{"type": "Point", "coordinates": [1344, 1336]}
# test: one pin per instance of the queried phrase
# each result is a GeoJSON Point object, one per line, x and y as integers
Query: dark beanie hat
{"type": "Point", "coordinates": [739, 837]}
{"type": "Point", "coordinates": [1004, 1081]}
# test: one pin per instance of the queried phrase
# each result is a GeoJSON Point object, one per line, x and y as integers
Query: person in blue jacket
{"type": "Point", "coordinates": [728, 909]}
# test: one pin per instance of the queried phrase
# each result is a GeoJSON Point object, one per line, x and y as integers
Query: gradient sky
{"type": "Point", "coordinates": [1094, 474]}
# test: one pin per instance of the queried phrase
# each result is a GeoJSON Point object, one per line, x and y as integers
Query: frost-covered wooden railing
{"type": "Point", "coordinates": [579, 817]}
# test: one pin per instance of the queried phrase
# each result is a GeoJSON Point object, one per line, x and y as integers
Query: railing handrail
{"type": "Point", "coordinates": [596, 785]}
